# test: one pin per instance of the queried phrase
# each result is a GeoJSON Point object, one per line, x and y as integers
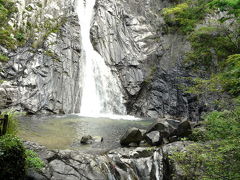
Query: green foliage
{"type": "Point", "coordinates": [15, 159]}
{"type": "Point", "coordinates": [198, 134]}
{"type": "Point", "coordinates": [219, 157]}
{"type": "Point", "coordinates": [12, 158]}
{"type": "Point", "coordinates": [231, 6]}
{"type": "Point", "coordinates": [9, 37]}
{"type": "Point", "coordinates": [223, 125]}
{"type": "Point", "coordinates": [230, 78]}
{"type": "Point", "coordinates": [184, 17]}
{"type": "Point", "coordinates": [20, 36]}
{"type": "Point", "coordinates": [46, 28]}
{"type": "Point", "coordinates": [215, 53]}
{"type": "Point", "coordinates": [33, 161]}
{"type": "Point", "coordinates": [3, 58]}
{"type": "Point", "coordinates": [201, 86]}
{"type": "Point", "coordinates": [215, 57]}
{"type": "Point", "coordinates": [6, 38]}
{"type": "Point", "coordinates": [227, 80]}
{"type": "Point", "coordinates": [174, 10]}
{"type": "Point", "coordinates": [7, 8]}
{"type": "Point", "coordinates": [29, 8]}
{"type": "Point", "coordinates": [210, 47]}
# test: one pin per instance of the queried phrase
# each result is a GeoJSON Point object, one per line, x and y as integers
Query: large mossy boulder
{"type": "Point", "coordinates": [12, 158]}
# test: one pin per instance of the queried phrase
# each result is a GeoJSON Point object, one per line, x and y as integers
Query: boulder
{"type": "Point", "coordinates": [170, 130]}
{"type": "Point", "coordinates": [87, 139]}
{"type": "Point", "coordinates": [133, 135]}
{"type": "Point", "coordinates": [157, 126]}
{"type": "Point", "coordinates": [184, 129]}
{"type": "Point", "coordinates": [175, 171]}
{"type": "Point", "coordinates": [173, 122]}
{"type": "Point", "coordinates": [163, 127]}
{"type": "Point", "coordinates": [153, 138]}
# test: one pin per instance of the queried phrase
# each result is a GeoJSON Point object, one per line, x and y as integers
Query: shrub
{"type": "Point", "coordinates": [219, 156]}
{"type": "Point", "coordinates": [184, 16]}
{"type": "Point", "coordinates": [15, 159]}
{"type": "Point", "coordinates": [231, 6]}
{"type": "Point", "coordinates": [211, 45]}
{"type": "Point", "coordinates": [12, 158]}
{"type": "Point", "coordinates": [230, 78]}
{"type": "Point", "coordinates": [19, 36]}
{"type": "Point", "coordinates": [223, 125]}
{"type": "Point", "coordinates": [227, 80]}
{"type": "Point", "coordinates": [33, 161]}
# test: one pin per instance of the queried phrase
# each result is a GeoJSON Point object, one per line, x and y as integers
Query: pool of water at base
{"type": "Point", "coordinates": [65, 132]}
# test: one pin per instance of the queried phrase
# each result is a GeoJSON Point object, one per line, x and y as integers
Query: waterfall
{"type": "Point", "coordinates": [101, 92]}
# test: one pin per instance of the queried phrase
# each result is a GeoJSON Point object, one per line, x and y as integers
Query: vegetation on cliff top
{"type": "Point", "coordinates": [9, 37]}
{"type": "Point", "coordinates": [33, 33]}
{"type": "Point", "coordinates": [214, 55]}
{"type": "Point", "coordinates": [215, 59]}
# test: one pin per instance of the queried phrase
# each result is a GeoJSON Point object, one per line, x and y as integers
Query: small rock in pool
{"type": "Point", "coordinates": [97, 139]}
{"type": "Point", "coordinates": [87, 139]}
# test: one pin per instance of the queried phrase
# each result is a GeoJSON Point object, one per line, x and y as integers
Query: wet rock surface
{"type": "Point", "coordinates": [124, 163]}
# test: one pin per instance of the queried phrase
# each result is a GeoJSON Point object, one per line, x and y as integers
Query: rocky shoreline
{"type": "Point", "coordinates": [143, 163]}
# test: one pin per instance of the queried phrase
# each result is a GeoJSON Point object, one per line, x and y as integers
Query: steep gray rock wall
{"type": "Point", "coordinates": [130, 35]}
{"type": "Point", "coordinates": [46, 78]}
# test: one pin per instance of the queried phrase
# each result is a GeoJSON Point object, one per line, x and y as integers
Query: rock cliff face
{"type": "Point", "coordinates": [45, 75]}
{"type": "Point", "coordinates": [129, 34]}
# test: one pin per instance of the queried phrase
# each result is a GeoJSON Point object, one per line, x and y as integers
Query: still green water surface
{"type": "Point", "coordinates": [65, 132]}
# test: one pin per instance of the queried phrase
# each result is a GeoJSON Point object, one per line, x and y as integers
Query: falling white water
{"type": "Point", "coordinates": [101, 93]}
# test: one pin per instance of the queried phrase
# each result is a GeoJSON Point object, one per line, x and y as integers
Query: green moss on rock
{"type": "Point", "coordinates": [3, 58]}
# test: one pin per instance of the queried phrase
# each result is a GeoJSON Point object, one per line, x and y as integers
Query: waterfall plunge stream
{"type": "Point", "coordinates": [101, 94]}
